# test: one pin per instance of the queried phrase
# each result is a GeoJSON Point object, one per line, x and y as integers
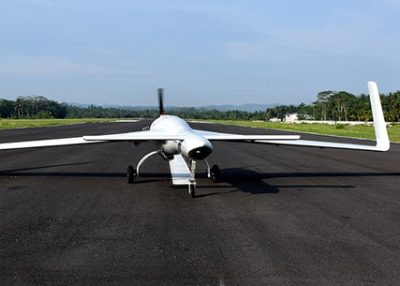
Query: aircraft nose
{"type": "Point", "coordinates": [200, 153]}
{"type": "Point", "coordinates": [196, 147]}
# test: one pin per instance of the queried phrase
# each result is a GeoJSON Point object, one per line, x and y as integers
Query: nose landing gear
{"type": "Point", "coordinates": [192, 190]}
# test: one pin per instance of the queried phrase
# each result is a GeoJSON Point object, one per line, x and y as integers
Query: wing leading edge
{"type": "Point", "coordinates": [151, 135]}
{"type": "Point", "coordinates": [45, 143]}
{"type": "Point", "coordinates": [216, 136]}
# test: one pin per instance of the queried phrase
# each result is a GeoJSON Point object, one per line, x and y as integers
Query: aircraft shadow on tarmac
{"type": "Point", "coordinates": [253, 182]}
{"type": "Point", "coordinates": [242, 179]}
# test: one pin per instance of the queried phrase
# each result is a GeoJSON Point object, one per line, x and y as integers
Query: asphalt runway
{"type": "Point", "coordinates": [280, 216]}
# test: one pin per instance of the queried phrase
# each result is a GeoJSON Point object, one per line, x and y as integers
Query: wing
{"type": "Point", "coordinates": [382, 138]}
{"type": "Point", "coordinates": [321, 144]}
{"type": "Point", "coordinates": [45, 143]}
{"type": "Point", "coordinates": [216, 136]}
{"type": "Point", "coordinates": [148, 135]}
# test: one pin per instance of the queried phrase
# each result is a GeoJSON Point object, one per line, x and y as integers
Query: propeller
{"type": "Point", "coordinates": [160, 101]}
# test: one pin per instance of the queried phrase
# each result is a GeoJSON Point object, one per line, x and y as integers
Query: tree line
{"type": "Point", "coordinates": [340, 106]}
{"type": "Point", "coordinates": [39, 107]}
{"type": "Point", "coordinates": [329, 105]}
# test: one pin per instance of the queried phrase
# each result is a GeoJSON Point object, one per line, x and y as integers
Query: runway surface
{"type": "Point", "coordinates": [280, 215]}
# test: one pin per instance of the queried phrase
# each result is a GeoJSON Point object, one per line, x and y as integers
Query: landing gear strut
{"type": "Point", "coordinates": [192, 190]}
{"type": "Point", "coordinates": [192, 180]}
{"type": "Point", "coordinates": [132, 173]}
{"type": "Point", "coordinates": [213, 173]}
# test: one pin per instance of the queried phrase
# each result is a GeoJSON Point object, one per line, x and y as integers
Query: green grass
{"type": "Point", "coordinates": [354, 131]}
{"type": "Point", "coordinates": [23, 123]}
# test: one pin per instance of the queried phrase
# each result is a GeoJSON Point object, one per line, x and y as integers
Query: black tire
{"type": "Point", "coordinates": [192, 190]}
{"type": "Point", "coordinates": [215, 173]}
{"type": "Point", "coordinates": [131, 174]}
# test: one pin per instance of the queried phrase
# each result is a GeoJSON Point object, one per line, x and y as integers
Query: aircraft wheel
{"type": "Point", "coordinates": [131, 174]}
{"type": "Point", "coordinates": [192, 190]}
{"type": "Point", "coordinates": [215, 174]}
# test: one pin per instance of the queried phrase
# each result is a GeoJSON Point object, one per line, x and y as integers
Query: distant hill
{"type": "Point", "coordinates": [244, 107]}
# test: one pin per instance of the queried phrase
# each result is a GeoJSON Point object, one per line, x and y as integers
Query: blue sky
{"type": "Point", "coordinates": [201, 52]}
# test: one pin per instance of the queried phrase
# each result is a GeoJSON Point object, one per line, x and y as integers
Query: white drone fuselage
{"type": "Point", "coordinates": [194, 146]}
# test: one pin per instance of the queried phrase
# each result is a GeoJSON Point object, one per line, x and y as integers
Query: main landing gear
{"type": "Point", "coordinates": [213, 173]}
{"type": "Point", "coordinates": [131, 174]}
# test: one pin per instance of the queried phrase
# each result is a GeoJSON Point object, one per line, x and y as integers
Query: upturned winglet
{"type": "Point", "coordinates": [382, 137]}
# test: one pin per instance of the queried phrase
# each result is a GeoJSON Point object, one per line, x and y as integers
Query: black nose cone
{"type": "Point", "coordinates": [200, 153]}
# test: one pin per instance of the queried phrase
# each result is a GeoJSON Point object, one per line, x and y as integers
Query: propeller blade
{"type": "Point", "coordinates": [160, 101]}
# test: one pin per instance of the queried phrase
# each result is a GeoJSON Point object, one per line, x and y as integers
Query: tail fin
{"type": "Point", "coordinates": [160, 101]}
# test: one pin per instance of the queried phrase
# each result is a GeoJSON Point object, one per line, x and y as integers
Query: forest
{"type": "Point", "coordinates": [329, 105]}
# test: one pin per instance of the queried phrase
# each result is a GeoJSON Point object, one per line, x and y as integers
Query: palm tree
{"type": "Point", "coordinates": [18, 106]}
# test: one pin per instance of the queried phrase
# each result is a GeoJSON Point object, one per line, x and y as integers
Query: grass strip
{"type": "Point", "coordinates": [24, 123]}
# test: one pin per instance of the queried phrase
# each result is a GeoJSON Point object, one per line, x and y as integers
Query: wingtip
{"type": "Point", "coordinates": [382, 137]}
